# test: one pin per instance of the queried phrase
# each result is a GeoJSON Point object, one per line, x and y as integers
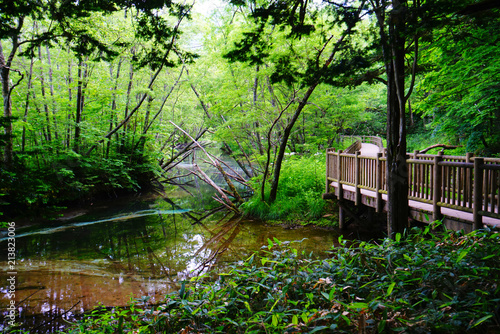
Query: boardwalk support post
{"type": "Point", "coordinates": [478, 194]}
{"type": "Point", "coordinates": [378, 184]}
{"type": "Point", "coordinates": [437, 191]}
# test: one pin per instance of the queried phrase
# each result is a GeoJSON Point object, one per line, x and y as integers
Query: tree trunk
{"type": "Point", "coordinates": [112, 121]}
{"type": "Point", "coordinates": [397, 168]}
{"type": "Point", "coordinates": [7, 108]}
{"type": "Point", "coordinates": [288, 129]}
{"type": "Point", "coordinates": [51, 88]}
{"type": "Point", "coordinates": [42, 87]}
{"type": "Point", "coordinates": [69, 80]}
{"type": "Point", "coordinates": [256, 124]}
{"type": "Point", "coordinates": [7, 87]}
{"type": "Point", "coordinates": [127, 105]}
{"type": "Point", "coordinates": [26, 107]}
{"type": "Point", "coordinates": [80, 98]}
{"type": "Point", "coordinates": [284, 141]}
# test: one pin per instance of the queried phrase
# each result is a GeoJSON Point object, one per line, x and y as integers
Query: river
{"type": "Point", "coordinates": [128, 248]}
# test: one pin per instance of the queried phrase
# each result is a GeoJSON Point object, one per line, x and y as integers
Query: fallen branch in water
{"type": "Point", "coordinates": [225, 200]}
{"type": "Point", "coordinates": [186, 149]}
{"type": "Point", "coordinates": [235, 176]}
{"type": "Point", "coordinates": [234, 192]}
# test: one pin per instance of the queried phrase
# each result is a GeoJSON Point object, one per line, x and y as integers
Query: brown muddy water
{"type": "Point", "coordinates": [126, 250]}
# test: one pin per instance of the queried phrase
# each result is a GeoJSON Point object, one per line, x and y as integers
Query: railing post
{"type": "Point", "coordinates": [477, 218]}
{"type": "Point", "coordinates": [340, 190]}
{"type": "Point", "coordinates": [357, 200]}
{"type": "Point", "coordinates": [327, 185]}
{"type": "Point", "coordinates": [378, 184]}
{"type": "Point", "coordinates": [437, 192]}
{"type": "Point", "coordinates": [468, 183]}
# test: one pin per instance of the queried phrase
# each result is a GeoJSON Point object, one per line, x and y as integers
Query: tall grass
{"type": "Point", "coordinates": [302, 181]}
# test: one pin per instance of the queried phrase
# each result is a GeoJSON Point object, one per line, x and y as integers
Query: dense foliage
{"type": "Point", "coordinates": [427, 281]}
{"type": "Point", "coordinates": [464, 106]}
{"type": "Point", "coordinates": [299, 196]}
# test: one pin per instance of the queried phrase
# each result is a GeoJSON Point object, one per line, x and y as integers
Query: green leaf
{"type": "Point", "coordinates": [462, 254]}
{"type": "Point", "coordinates": [381, 326]}
{"type": "Point", "coordinates": [331, 294]}
{"type": "Point", "coordinates": [358, 305]}
{"type": "Point", "coordinates": [317, 329]}
{"type": "Point", "coordinates": [390, 288]}
{"type": "Point", "coordinates": [275, 320]}
{"type": "Point", "coordinates": [248, 307]}
{"type": "Point", "coordinates": [277, 241]}
{"type": "Point", "coordinates": [483, 319]}
{"type": "Point", "coordinates": [326, 295]}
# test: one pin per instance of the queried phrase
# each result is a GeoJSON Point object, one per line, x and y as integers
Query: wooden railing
{"type": "Point", "coordinates": [356, 145]}
{"type": "Point", "coordinates": [469, 184]}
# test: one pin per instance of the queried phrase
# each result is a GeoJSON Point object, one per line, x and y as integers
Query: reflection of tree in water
{"type": "Point", "coordinates": [221, 239]}
{"type": "Point", "coordinates": [212, 244]}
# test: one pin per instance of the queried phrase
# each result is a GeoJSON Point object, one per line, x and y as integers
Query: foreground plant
{"type": "Point", "coordinates": [420, 283]}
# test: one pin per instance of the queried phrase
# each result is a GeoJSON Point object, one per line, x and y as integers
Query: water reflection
{"type": "Point", "coordinates": [110, 257]}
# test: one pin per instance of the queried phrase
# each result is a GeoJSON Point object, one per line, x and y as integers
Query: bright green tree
{"type": "Point", "coordinates": [461, 91]}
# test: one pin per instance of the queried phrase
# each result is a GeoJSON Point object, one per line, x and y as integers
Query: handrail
{"type": "Point", "coordinates": [365, 139]}
{"type": "Point", "coordinates": [356, 146]}
{"type": "Point", "coordinates": [469, 184]}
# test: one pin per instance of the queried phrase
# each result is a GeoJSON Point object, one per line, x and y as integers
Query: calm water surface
{"type": "Point", "coordinates": [128, 249]}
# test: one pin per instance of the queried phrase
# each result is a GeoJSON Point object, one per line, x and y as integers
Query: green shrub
{"type": "Point", "coordinates": [423, 283]}
{"type": "Point", "coordinates": [302, 182]}
{"type": "Point", "coordinates": [34, 190]}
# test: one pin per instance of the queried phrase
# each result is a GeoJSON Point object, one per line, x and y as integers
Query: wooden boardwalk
{"type": "Point", "coordinates": [464, 192]}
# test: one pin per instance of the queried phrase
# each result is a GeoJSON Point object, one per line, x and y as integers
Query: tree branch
{"type": "Point", "coordinates": [443, 146]}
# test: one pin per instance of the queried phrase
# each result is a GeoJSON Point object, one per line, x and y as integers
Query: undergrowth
{"type": "Point", "coordinates": [425, 282]}
{"type": "Point", "coordinates": [302, 182]}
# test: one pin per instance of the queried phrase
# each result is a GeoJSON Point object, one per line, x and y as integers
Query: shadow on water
{"type": "Point", "coordinates": [128, 250]}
